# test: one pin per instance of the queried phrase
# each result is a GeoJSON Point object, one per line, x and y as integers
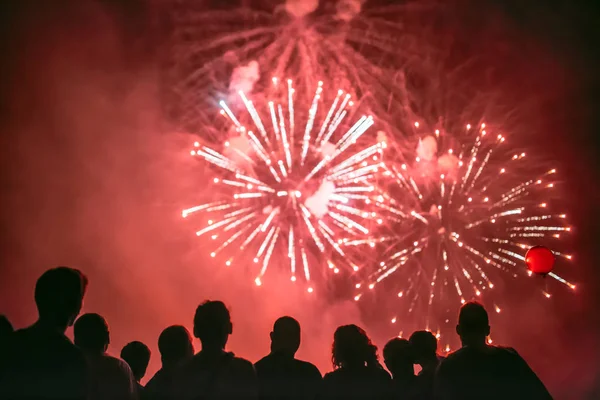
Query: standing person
{"type": "Point", "coordinates": [6, 334]}
{"type": "Point", "coordinates": [175, 347]}
{"type": "Point", "coordinates": [41, 361]}
{"type": "Point", "coordinates": [214, 373]}
{"type": "Point", "coordinates": [110, 377]}
{"type": "Point", "coordinates": [399, 360]}
{"type": "Point", "coordinates": [424, 345]}
{"type": "Point", "coordinates": [137, 355]}
{"type": "Point", "coordinates": [357, 373]}
{"type": "Point", "coordinates": [280, 374]}
{"type": "Point", "coordinates": [478, 370]}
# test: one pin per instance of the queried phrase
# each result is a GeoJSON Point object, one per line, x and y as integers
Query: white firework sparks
{"type": "Point", "coordinates": [464, 212]}
{"type": "Point", "coordinates": [293, 188]}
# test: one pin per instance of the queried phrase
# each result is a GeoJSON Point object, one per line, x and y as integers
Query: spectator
{"type": "Point", "coordinates": [424, 345]}
{"type": "Point", "coordinates": [137, 355]}
{"type": "Point", "coordinates": [110, 377]}
{"type": "Point", "coordinates": [214, 373]}
{"type": "Point", "coordinates": [478, 370]}
{"type": "Point", "coordinates": [357, 374]}
{"type": "Point", "coordinates": [6, 328]}
{"type": "Point", "coordinates": [6, 333]}
{"type": "Point", "coordinates": [280, 374]}
{"type": "Point", "coordinates": [42, 361]}
{"type": "Point", "coordinates": [399, 360]}
{"type": "Point", "coordinates": [175, 346]}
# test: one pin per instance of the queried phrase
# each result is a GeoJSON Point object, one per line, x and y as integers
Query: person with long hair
{"type": "Point", "coordinates": [357, 372]}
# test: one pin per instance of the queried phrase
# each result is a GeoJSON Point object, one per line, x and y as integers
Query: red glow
{"type": "Point", "coordinates": [540, 260]}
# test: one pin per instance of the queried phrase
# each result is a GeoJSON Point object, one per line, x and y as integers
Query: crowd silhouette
{"type": "Point", "coordinates": [40, 362]}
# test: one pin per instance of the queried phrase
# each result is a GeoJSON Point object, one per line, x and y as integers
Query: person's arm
{"type": "Point", "coordinates": [316, 384]}
{"type": "Point", "coordinates": [131, 388]}
{"type": "Point", "coordinates": [442, 383]}
{"type": "Point", "coordinates": [252, 383]}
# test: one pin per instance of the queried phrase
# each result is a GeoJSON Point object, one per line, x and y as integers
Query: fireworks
{"type": "Point", "coordinates": [289, 188]}
{"type": "Point", "coordinates": [219, 50]}
{"type": "Point", "coordinates": [462, 214]}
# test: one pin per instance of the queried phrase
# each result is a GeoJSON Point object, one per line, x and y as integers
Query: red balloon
{"type": "Point", "coordinates": [539, 260]}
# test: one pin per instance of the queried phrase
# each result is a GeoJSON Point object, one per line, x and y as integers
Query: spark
{"type": "Point", "coordinates": [301, 192]}
{"type": "Point", "coordinates": [456, 231]}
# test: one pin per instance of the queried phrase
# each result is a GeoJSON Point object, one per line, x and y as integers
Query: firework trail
{"type": "Point", "coordinates": [462, 213]}
{"type": "Point", "coordinates": [217, 50]}
{"type": "Point", "coordinates": [289, 188]}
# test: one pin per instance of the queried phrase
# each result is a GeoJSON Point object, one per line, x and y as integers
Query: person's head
{"type": "Point", "coordinates": [353, 348]}
{"type": "Point", "coordinates": [175, 344]}
{"type": "Point", "coordinates": [473, 324]}
{"type": "Point", "coordinates": [59, 296]}
{"type": "Point", "coordinates": [6, 328]}
{"type": "Point", "coordinates": [212, 324]}
{"type": "Point", "coordinates": [91, 333]}
{"type": "Point", "coordinates": [398, 357]}
{"type": "Point", "coordinates": [424, 346]}
{"type": "Point", "coordinates": [286, 335]}
{"type": "Point", "coordinates": [137, 355]}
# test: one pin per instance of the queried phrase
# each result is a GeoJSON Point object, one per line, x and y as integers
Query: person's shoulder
{"type": "Point", "coordinates": [333, 375]}
{"type": "Point", "coordinates": [505, 350]}
{"type": "Point", "coordinates": [381, 373]}
{"type": "Point", "coordinates": [308, 367]}
{"type": "Point", "coordinates": [262, 362]}
{"type": "Point", "coordinates": [116, 362]}
{"type": "Point", "coordinates": [25, 335]}
{"type": "Point", "coordinates": [452, 360]}
{"type": "Point", "coordinates": [454, 356]}
{"type": "Point", "coordinates": [241, 363]}
{"type": "Point", "coordinates": [508, 355]}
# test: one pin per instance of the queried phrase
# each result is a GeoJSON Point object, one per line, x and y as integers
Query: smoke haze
{"type": "Point", "coordinates": [93, 179]}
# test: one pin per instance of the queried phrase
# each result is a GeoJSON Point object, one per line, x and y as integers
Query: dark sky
{"type": "Point", "coordinates": [87, 178]}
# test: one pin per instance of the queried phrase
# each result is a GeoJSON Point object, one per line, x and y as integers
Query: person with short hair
{"type": "Point", "coordinates": [175, 347]}
{"type": "Point", "coordinates": [137, 355]}
{"type": "Point", "coordinates": [480, 371]}
{"type": "Point", "coordinates": [41, 361]}
{"type": "Point", "coordinates": [399, 359]}
{"type": "Point", "coordinates": [6, 334]}
{"type": "Point", "coordinates": [280, 374]}
{"type": "Point", "coordinates": [214, 373]}
{"type": "Point", "coordinates": [424, 345]}
{"type": "Point", "coordinates": [110, 377]}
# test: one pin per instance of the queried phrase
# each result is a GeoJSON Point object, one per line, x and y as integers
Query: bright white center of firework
{"type": "Point", "coordinates": [294, 176]}
{"type": "Point", "coordinates": [318, 203]}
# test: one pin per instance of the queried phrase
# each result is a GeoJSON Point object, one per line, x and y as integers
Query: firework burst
{"type": "Point", "coordinates": [220, 48]}
{"type": "Point", "coordinates": [462, 213]}
{"type": "Point", "coordinates": [289, 187]}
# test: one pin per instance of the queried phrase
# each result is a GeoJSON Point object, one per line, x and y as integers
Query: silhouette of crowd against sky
{"type": "Point", "coordinates": [39, 361]}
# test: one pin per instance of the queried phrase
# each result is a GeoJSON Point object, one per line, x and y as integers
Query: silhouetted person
{"type": "Point", "coordinates": [110, 377]}
{"type": "Point", "coordinates": [399, 360]}
{"type": "Point", "coordinates": [137, 355]}
{"type": "Point", "coordinates": [480, 371]}
{"type": "Point", "coordinates": [6, 328]}
{"type": "Point", "coordinates": [42, 361]}
{"type": "Point", "coordinates": [357, 373]}
{"type": "Point", "coordinates": [280, 375]}
{"type": "Point", "coordinates": [424, 345]}
{"type": "Point", "coordinates": [6, 333]}
{"type": "Point", "coordinates": [175, 346]}
{"type": "Point", "coordinates": [214, 373]}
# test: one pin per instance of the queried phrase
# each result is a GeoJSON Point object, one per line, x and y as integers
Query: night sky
{"type": "Point", "coordinates": [93, 177]}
